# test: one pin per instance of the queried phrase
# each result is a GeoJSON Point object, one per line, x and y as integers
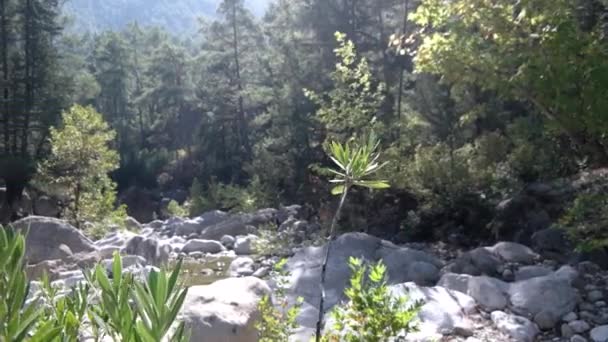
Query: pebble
{"type": "Point", "coordinates": [579, 326]}
{"type": "Point", "coordinates": [595, 295]}
{"type": "Point", "coordinates": [566, 331]}
{"type": "Point", "coordinates": [571, 316]}
{"type": "Point", "coordinates": [599, 334]}
{"type": "Point", "coordinates": [578, 338]}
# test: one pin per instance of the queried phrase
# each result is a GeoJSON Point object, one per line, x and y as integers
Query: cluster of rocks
{"type": "Point", "coordinates": [504, 292]}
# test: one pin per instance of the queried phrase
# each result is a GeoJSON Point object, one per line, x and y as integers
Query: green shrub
{"type": "Point", "coordinates": [120, 307]}
{"type": "Point", "coordinates": [586, 221]}
{"type": "Point", "coordinates": [19, 322]}
{"type": "Point", "coordinates": [176, 210]}
{"type": "Point", "coordinates": [278, 322]}
{"type": "Point", "coordinates": [371, 314]}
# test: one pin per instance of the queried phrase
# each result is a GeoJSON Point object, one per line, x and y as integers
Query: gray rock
{"type": "Point", "coordinates": [579, 326]}
{"type": "Point", "coordinates": [204, 246]}
{"type": "Point", "coordinates": [241, 267]}
{"type": "Point", "coordinates": [476, 262]}
{"type": "Point", "coordinates": [566, 331]}
{"type": "Point", "coordinates": [226, 310]}
{"type": "Point", "coordinates": [46, 206]}
{"type": "Point", "coordinates": [149, 248]}
{"type": "Point", "coordinates": [551, 240]}
{"type": "Point", "coordinates": [245, 245]}
{"type": "Point", "coordinates": [545, 320]}
{"type": "Point", "coordinates": [443, 311]}
{"type": "Point", "coordinates": [551, 296]}
{"type": "Point", "coordinates": [455, 282]}
{"type": "Point", "coordinates": [527, 272]}
{"type": "Point", "coordinates": [514, 252]}
{"type": "Point", "coordinates": [228, 241]}
{"type": "Point", "coordinates": [46, 234]}
{"type": "Point", "coordinates": [595, 295]}
{"type": "Point", "coordinates": [578, 338]}
{"type": "Point", "coordinates": [238, 224]}
{"type": "Point", "coordinates": [488, 292]}
{"type": "Point", "coordinates": [599, 334]}
{"type": "Point", "coordinates": [517, 327]}
{"type": "Point", "coordinates": [262, 272]}
{"type": "Point", "coordinates": [422, 273]}
{"type": "Point", "coordinates": [569, 317]}
{"type": "Point", "coordinates": [132, 224]}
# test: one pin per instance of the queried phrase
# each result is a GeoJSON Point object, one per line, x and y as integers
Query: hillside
{"type": "Point", "coordinates": [178, 16]}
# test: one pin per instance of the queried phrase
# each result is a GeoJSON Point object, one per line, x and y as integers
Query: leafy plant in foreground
{"type": "Point", "coordinates": [357, 165]}
{"type": "Point", "coordinates": [372, 314]}
{"type": "Point", "coordinates": [277, 323]}
{"type": "Point", "coordinates": [19, 322]}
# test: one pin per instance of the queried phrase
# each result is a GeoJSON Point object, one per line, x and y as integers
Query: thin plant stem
{"type": "Point", "coordinates": [330, 239]}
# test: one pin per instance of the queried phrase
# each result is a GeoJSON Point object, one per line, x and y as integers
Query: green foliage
{"type": "Point", "coordinates": [278, 320]}
{"type": "Point", "coordinates": [351, 107]}
{"type": "Point", "coordinates": [19, 322]}
{"type": "Point", "coordinates": [356, 164]}
{"type": "Point", "coordinates": [176, 210]}
{"type": "Point", "coordinates": [372, 313]}
{"type": "Point", "coordinates": [104, 304]}
{"type": "Point", "coordinates": [534, 51]}
{"type": "Point", "coordinates": [226, 197]}
{"type": "Point", "coordinates": [586, 221]}
{"type": "Point", "coordinates": [79, 166]}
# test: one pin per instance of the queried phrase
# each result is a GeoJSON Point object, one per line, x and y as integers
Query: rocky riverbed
{"type": "Point", "coordinates": [503, 292]}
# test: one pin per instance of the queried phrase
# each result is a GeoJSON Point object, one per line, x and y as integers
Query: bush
{"type": "Point", "coordinates": [228, 197]}
{"type": "Point", "coordinates": [176, 210]}
{"type": "Point", "coordinates": [586, 221]}
{"type": "Point", "coordinates": [372, 314]}
{"type": "Point", "coordinates": [104, 305]}
{"type": "Point", "coordinates": [278, 322]}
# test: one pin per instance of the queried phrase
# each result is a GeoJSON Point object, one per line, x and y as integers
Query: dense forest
{"type": "Point", "coordinates": [391, 163]}
{"type": "Point", "coordinates": [240, 113]}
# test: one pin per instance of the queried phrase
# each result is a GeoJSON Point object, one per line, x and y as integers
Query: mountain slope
{"type": "Point", "coordinates": [177, 16]}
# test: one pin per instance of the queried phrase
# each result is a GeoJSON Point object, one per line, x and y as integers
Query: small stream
{"type": "Point", "coordinates": [204, 271]}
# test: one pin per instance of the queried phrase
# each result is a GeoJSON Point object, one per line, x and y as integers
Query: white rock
{"type": "Point", "coordinates": [204, 246]}
{"type": "Point", "coordinates": [244, 245]}
{"type": "Point", "coordinates": [599, 334]}
{"type": "Point", "coordinates": [517, 327]}
{"type": "Point", "coordinates": [224, 311]}
{"type": "Point", "coordinates": [241, 267]}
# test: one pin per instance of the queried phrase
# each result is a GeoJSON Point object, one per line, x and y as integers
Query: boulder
{"type": "Point", "coordinates": [514, 252]}
{"type": "Point", "coordinates": [132, 224]}
{"type": "Point", "coordinates": [455, 282]}
{"type": "Point", "coordinates": [241, 267]}
{"type": "Point", "coordinates": [245, 245]}
{"type": "Point", "coordinates": [238, 224]}
{"type": "Point", "coordinates": [45, 235]}
{"type": "Point", "coordinates": [305, 271]}
{"type": "Point", "coordinates": [196, 225]}
{"type": "Point", "coordinates": [599, 334]}
{"type": "Point", "coordinates": [528, 272]}
{"type": "Point", "coordinates": [46, 206]}
{"type": "Point", "coordinates": [224, 311]}
{"type": "Point", "coordinates": [444, 311]}
{"type": "Point", "coordinates": [476, 262]}
{"type": "Point", "coordinates": [547, 299]}
{"type": "Point", "coordinates": [489, 293]}
{"type": "Point", "coordinates": [517, 327]}
{"type": "Point", "coordinates": [228, 241]}
{"type": "Point", "coordinates": [204, 246]}
{"type": "Point", "coordinates": [148, 248]}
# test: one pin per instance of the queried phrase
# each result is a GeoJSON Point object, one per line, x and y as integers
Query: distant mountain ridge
{"type": "Point", "coordinates": [177, 16]}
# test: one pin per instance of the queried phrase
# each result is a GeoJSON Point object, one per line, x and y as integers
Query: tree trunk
{"type": "Point", "coordinates": [242, 124]}
{"type": "Point", "coordinates": [5, 90]}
